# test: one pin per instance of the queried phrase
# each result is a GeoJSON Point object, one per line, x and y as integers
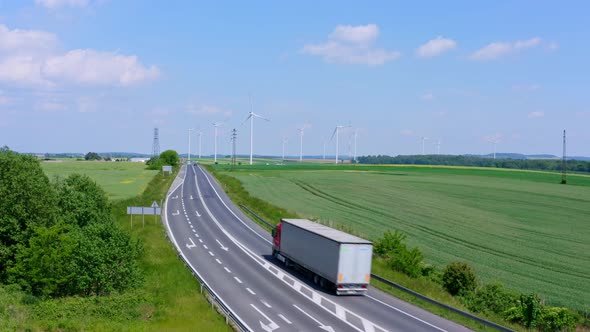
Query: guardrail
{"type": "Point", "coordinates": [216, 302]}
{"type": "Point", "coordinates": [440, 304]}
{"type": "Point", "coordinates": [411, 292]}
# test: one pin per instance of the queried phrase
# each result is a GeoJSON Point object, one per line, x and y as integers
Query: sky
{"type": "Point", "coordinates": [99, 75]}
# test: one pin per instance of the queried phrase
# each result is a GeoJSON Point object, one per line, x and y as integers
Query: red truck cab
{"type": "Point", "coordinates": [276, 238]}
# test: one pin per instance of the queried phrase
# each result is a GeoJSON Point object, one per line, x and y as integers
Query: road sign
{"type": "Point", "coordinates": [153, 210]}
{"type": "Point", "coordinates": [155, 205]}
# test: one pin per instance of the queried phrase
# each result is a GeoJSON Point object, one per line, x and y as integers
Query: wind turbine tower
{"type": "Point", "coordinates": [494, 141]}
{"type": "Point", "coordinates": [251, 116]}
{"type": "Point", "coordinates": [200, 134]}
{"type": "Point", "coordinates": [423, 140]}
{"type": "Point", "coordinates": [355, 136]}
{"type": "Point", "coordinates": [188, 161]}
{"type": "Point", "coordinates": [437, 146]}
{"type": "Point", "coordinates": [301, 130]}
{"type": "Point", "coordinates": [336, 131]}
{"type": "Point", "coordinates": [215, 126]}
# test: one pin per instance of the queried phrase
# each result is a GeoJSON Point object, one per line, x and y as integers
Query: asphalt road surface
{"type": "Point", "coordinates": [233, 255]}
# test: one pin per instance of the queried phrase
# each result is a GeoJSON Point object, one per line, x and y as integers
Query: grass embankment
{"type": "Point", "coordinates": [271, 213]}
{"type": "Point", "coordinates": [121, 180]}
{"type": "Point", "coordinates": [169, 298]}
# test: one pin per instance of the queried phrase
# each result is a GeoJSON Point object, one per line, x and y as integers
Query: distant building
{"type": "Point", "coordinates": [139, 160]}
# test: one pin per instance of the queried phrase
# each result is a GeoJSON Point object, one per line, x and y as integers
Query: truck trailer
{"type": "Point", "coordinates": [333, 259]}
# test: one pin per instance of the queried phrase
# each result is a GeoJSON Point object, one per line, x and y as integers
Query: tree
{"type": "Point", "coordinates": [459, 278]}
{"type": "Point", "coordinates": [27, 201]}
{"type": "Point", "coordinates": [82, 201]}
{"type": "Point", "coordinates": [169, 157]}
{"type": "Point", "coordinates": [47, 266]}
{"type": "Point", "coordinates": [107, 260]}
{"type": "Point", "coordinates": [92, 156]}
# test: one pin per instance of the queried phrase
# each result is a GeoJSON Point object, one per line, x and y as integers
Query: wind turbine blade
{"type": "Point", "coordinates": [260, 116]}
{"type": "Point", "coordinates": [248, 118]}
{"type": "Point", "coordinates": [334, 133]}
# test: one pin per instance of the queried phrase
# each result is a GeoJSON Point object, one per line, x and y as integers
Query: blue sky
{"type": "Point", "coordinates": [84, 75]}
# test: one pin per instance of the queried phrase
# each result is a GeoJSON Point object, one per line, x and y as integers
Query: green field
{"type": "Point", "coordinates": [119, 179]}
{"type": "Point", "coordinates": [521, 228]}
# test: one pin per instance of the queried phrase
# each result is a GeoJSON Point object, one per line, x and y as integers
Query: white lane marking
{"type": "Point", "coordinates": [250, 291]}
{"type": "Point", "coordinates": [217, 260]}
{"type": "Point", "coordinates": [191, 196]}
{"type": "Point", "coordinates": [192, 245]}
{"type": "Point", "coordinates": [210, 253]}
{"type": "Point", "coordinates": [405, 313]}
{"type": "Point", "coordinates": [196, 234]}
{"type": "Point", "coordinates": [266, 304]}
{"type": "Point", "coordinates": [191, 226]}
{"type": "Point", "coordinates": [266, 265]}
{"type": "Point", "coordinates": [285, 319]}
{"type": "Point", "coordinates": [205, 246]}
{"type": "Point", "coordinates": [238, 280]}
{"type": "Point", "coordinates": [179, 249]}
{"type": "Point", "coordinates": [189, 222]}
{"type": "Point", "coordinates": [176, 214]}
{"type": "Point", "coordinates": [270, 327]}
{"type": "Point", "coordinates": [226, 269]}
{"type": "Point", "coordinates": [227, 207]}
{"type": "Point", "coordinates": [198, 215]}
{"type": "Point", "coordinates": [200, 240]}
{"type": "Point", "coordinates": [322, 326]}
{"type": "Point", "coordinates": [221, 245]}
{"type": "Point", "coordinates": [194, 230]}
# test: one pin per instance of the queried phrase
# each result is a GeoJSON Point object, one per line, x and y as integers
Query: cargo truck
{"type": "Point", "coordinates": [333, 259]}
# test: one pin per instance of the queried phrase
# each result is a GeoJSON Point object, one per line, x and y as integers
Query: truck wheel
{"type": "Point", "coordinates": [323, 283]}
{"type": "Point", "coordinates": [287, 262]}
{"type": "Point", "coordinates": [316, 279]}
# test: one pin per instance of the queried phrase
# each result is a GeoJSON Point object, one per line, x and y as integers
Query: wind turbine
{"type": "Point", "coordinates": [301, 143]}
{"type": "Point", "coordinates": [494, 140]}
{"type": "Point", "coordinates": [324, 155]}
{"type": "Point", "coordinates": [251, 116]}
{"type": "Point", "coordinates": [200, 134]}
{"type": "Point", "coordinates": [437, 146]}
{"type": "Point", "coordinates": [355, 136]}
{"type": "Point", "coordinates": [284, 142]}
{"type": "Point", "coordinates": [215, 125]}
{"type": "Point", "coordinates": [189, 146]}
{"type": "Point", "coordinates": [336, 130]}
{"type": "Point", "coordinates": [423, 139]}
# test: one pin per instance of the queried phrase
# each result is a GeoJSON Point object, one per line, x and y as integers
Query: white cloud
{"type": "Point", "coordinates": [435, 47]}
{"type": "Point", "coordinates": [22, 70]}
{"type": "Point", "coordinates": [406, 132]}
{"type": "Point", "coordinates": [499, 49]}
{"type": "Point", "coordinates": [24, 41]}
{"type": "Point", "coordinates": [53, 4]}
{"type": "Point", "coordinates": [352, 45]}
{"type": "Point", "coordinates": [533, 115]}
{"type": "Point", "coordinates": [30, 57]}
{"type": "Point", "coordinates": [427, 96]}
{"type": "Point", "coordinates": [102, 68]}
{"type": "Point", "coordinates": [361, 34]}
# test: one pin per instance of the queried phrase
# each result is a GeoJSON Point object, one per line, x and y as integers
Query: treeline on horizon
{"type": "Point", "coordinates": [451, 160]}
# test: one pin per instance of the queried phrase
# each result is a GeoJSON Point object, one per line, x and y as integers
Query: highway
{"type": "Point", "coordinates": [233, 255]}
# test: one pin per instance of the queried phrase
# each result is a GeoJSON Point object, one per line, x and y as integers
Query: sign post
{"type": "Point", "coordinates": [154, 210]}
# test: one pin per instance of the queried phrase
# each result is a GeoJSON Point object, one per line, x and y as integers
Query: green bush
{"type": "Point", "coordinates": [389, 243]}
{"type": "Point", "coordinates": [558, 319]}
{"type": "Point", "coordinates": [459, 278]}
{"type": "Point", "coordinates": [528, 312]}
{"type": "Point", "coordinates": [492, 297]}
{"type": "Point", "coordinates": [407, 261]}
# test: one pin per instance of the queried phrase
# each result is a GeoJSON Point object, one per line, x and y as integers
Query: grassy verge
{"type": "Point", "coordinates": [272, 214]}
{"type": "Point", "coordinates": [169, 299]}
